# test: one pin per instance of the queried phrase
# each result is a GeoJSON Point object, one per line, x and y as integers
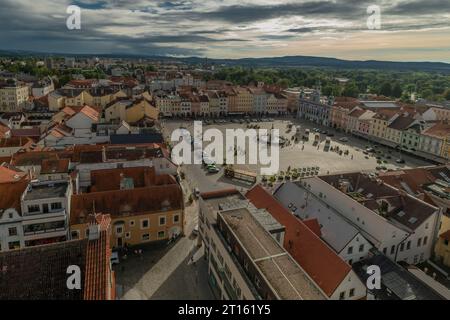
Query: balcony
{"type": "Point", "coordinates": [48, 233]}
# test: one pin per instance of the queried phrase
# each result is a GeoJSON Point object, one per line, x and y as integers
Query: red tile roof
{"type": "Point", "coordinates": [322, 264]}
{"type": "Point", "coordinates": [98, 282]}
{"type": "Point", "coordinates": [13, 183]}
{"type": "Point", "coordinates": [313, 225]}
{"type": "Point", "coordinates": [50, 166]}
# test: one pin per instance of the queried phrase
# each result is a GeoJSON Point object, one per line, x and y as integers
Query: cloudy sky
{"type": "Point", "coordinates": [411, 30]}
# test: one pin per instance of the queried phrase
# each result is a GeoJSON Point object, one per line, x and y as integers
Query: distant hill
{"type": "Point", "coordinates": [280, 62]}
{"type": "Point", "coordinates": [305, 61]}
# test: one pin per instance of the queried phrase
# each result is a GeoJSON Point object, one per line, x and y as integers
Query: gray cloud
{"type": "Point", "coordinates": [195, 27]}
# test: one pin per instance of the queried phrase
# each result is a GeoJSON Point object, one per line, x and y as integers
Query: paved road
{"type": "Point", "coordinates": [166, 272]}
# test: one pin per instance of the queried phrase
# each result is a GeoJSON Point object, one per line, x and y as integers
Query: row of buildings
{"type": "Point", "coordinates": [73, 207]}
{"type": "Point", "coordinates": [423, 130]}
{"type": "Point", "coordinates": [315, 238]}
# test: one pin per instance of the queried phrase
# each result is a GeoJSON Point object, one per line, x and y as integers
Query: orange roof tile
{"type": "Point", "coordinates": [322, 264]}
{"type": "Point", "coordinates": [98, 283]}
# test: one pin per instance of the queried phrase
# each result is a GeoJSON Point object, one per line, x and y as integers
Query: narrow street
{"type": "Point", "coordinates": [166, 271]}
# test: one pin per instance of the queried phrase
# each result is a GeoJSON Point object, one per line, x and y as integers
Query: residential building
{"type": "Point", "coordinates": [42, 87]}
{"type": "Point", "coordinates": [429, 184]}
{"type": "Point", "coordinates": [13, 96]}
{"type": "Point", "coordinates": [347, 241]}
{"type": "Point", "coordinates": [394, 131]}
{"type": "Point", "coordinates": [340, 110]}
{"type": "Point", "coordinates": [302, 240]}
{"type": "Point", "coordinates": [245, 257]}
{"type": "Point", "coordinates": [397, 283]}
{"type": "Point", "coordinates": [144, 206]}
{"type": "Point", "coordinates": [401, 226]}
{"type": "Point", "coordinates": [434, 140]}
{"type": "Point", "coordinates": [41, 272]}
{"type": "Point", "coordinates": [13, 182]}
{"type": "Point", "coordinates": [45, 208]}
{"type": "Point", "coordinates": [9, 146]}
{"type": "Point", "coordinates": [260, 103]}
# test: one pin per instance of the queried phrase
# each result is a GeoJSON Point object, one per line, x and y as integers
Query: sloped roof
{"type": "Point", "coordinates": [322, 264]}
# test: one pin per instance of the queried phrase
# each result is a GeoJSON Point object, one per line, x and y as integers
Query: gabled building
{"type": "Point", "coordinates": [144, 206]}
{"type": "Point", "coordinates": [401, 226]}
{"type": "Point", "coordinates": [13, 182]}
{"type": "Point", "coordinates": [302, 240]}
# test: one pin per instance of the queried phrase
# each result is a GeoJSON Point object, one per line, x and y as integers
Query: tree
{"type": "Point", "coordinates": [351, 90]}
{"type": "Point", "coordinates": [397, 90]}
{"type": "Point", "coordinates": [447, 94]}
{"type": "Point", "coordinates": [386, 89]}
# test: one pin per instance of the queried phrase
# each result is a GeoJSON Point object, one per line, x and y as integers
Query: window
{"type": "Point", "coordinates": [408, 245]}
{"type": "Point", "coordinates": [402, 247]}
{"type": "Point", "coordinates": [162, 220]}
{"type": "Point", "coordinates": [416, 258]}
{"type": "Point", "coordinates": [132, 223]}
{"type": "Point", "coordinates": [12, 231]}
{"type": "Point", "coordinates": [161, 234]}
{"type": "Point", "coordinates": [176, 218]}
{"type": "Point", "coordinates": [14, 245]}
{"type": "Point", "coordinates": [75, 234]}
{"type": "Point", "coordinates": [145, 237]}
{"type": "Point", "coordinates": [425, 240]}
{"type": "Point", "coordinates": [342, 295]}
{"type": "Point", "coordinates": [119, 230]}
{"type": "Point", "coordinates": [350, 250]}
{"type": "Point", "coordinates": [384, 251]}
{"type": "Point", "coordinates": [352, 292]}
{"type": "Point", "coordinates": [34, 208]}
{"type": "Point", "coordinates": [361, 248]}
{"type": "Point", "coordinates": [56, 206]}
{"type": "Point", "coordinates": [419, 242]}
{"type": "Point", "coordinates": [128, 235]}
{"type": "Point", "coordinates": [392, 249]}
{"type": "Point", "coordinates": [87, 232]}
{"type": "Point", "coordinates": [145, 224]}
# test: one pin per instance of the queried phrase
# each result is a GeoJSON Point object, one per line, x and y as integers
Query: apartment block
{"type": "Point", "coordinates": [245, 257]}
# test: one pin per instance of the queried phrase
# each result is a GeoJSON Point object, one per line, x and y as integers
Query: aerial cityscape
{"type": "Point", "coordinates": [225, 150]}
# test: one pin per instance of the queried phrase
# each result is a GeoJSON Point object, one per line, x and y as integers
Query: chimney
{"type": "Point", "coordinates": [94, 231]}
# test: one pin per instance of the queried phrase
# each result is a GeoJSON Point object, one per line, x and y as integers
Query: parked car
{"type": "Point", "coordinates": [213, 169]}
{"type": "Point", "coordinates": [400, 161]}
{"type": "Point", "coordinates": [115, 258]}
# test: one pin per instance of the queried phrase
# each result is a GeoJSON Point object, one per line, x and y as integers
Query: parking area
{"type": "Point", "coordinates": [298, 158]}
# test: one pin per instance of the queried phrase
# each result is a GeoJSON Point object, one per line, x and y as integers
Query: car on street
{"type": "Point", "coordinates": [115, 258]}
{"type": "Point", "coordinates": [343, 139]}
{"type": "Point", "coordinates": [213, 169]}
